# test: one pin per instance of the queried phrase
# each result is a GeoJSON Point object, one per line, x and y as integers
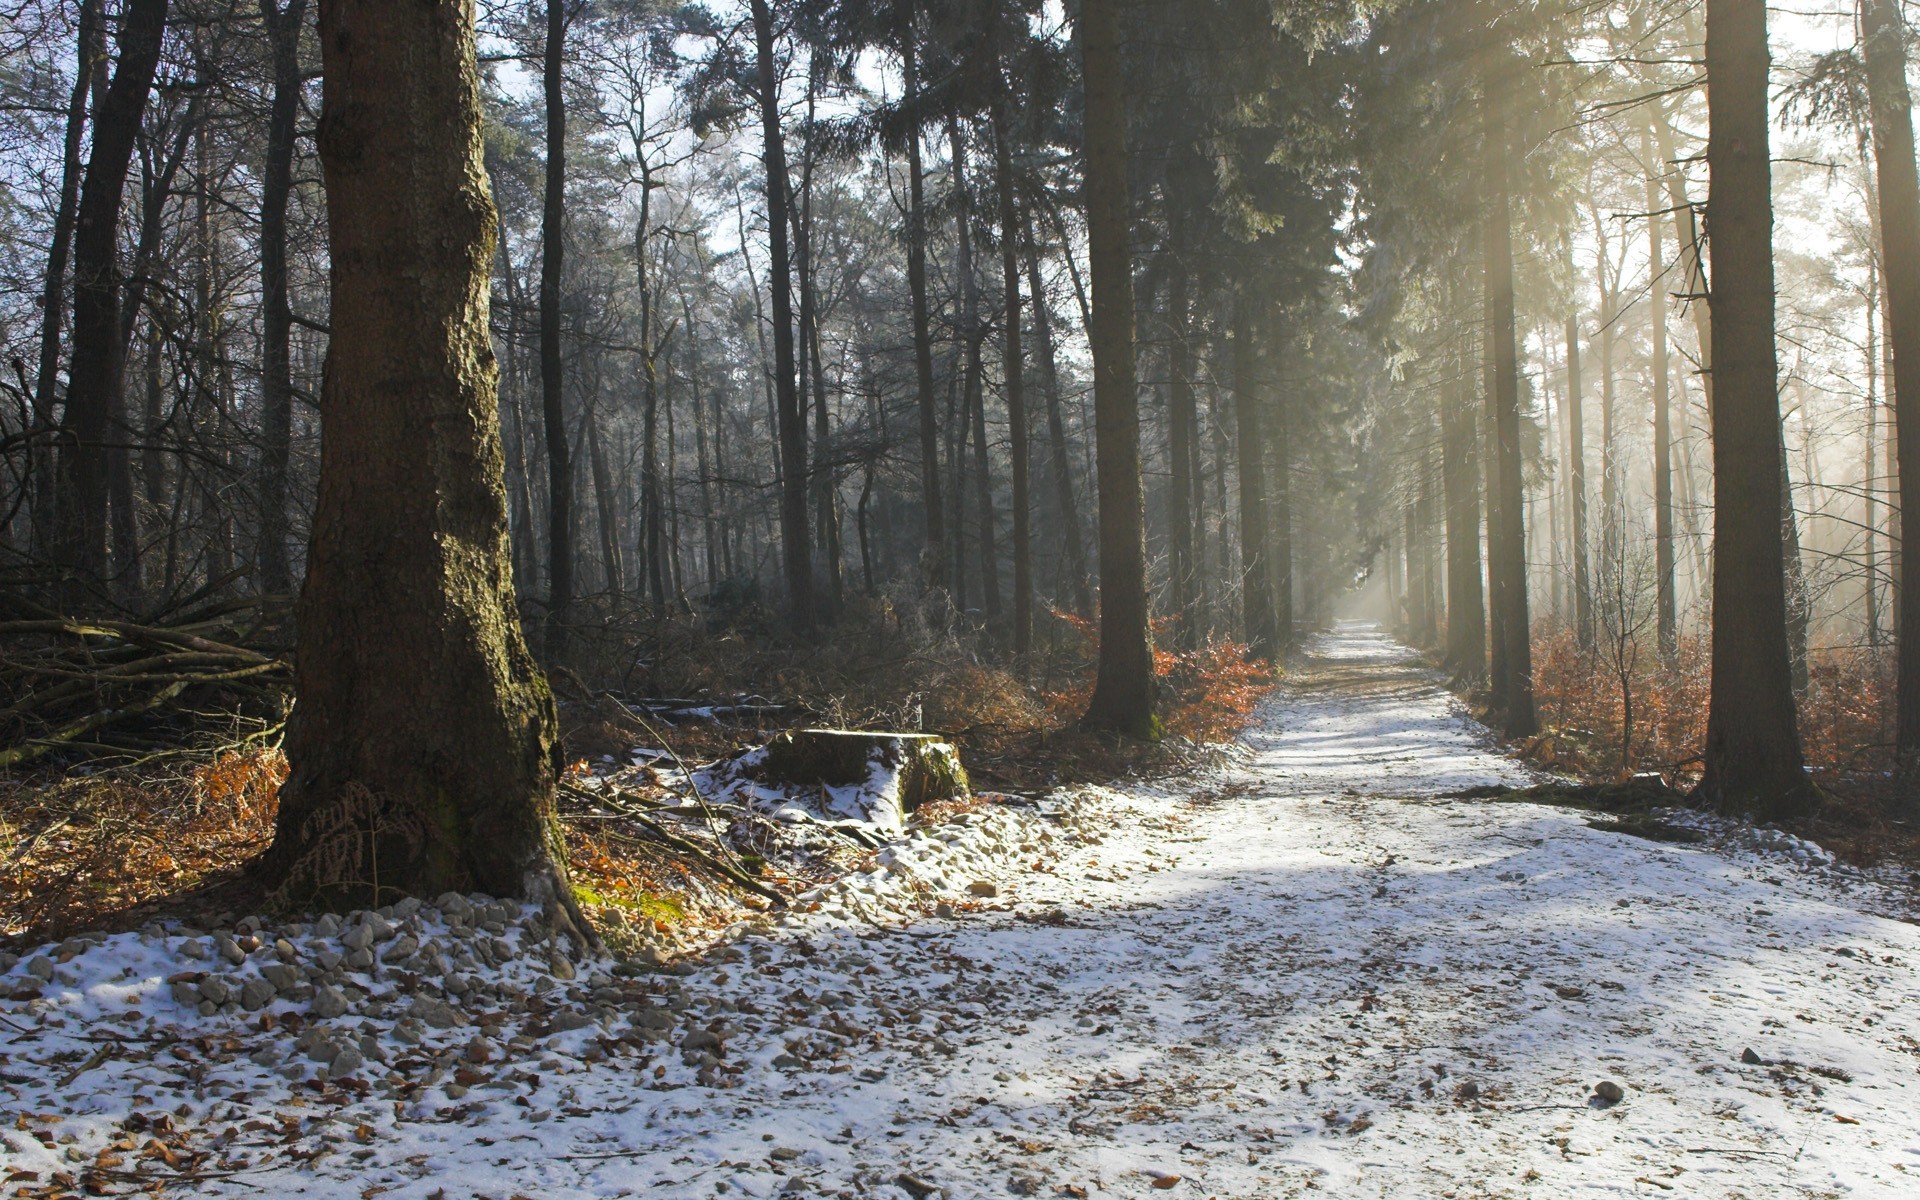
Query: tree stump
{"type": "Point", "coordinates": [901, 770]}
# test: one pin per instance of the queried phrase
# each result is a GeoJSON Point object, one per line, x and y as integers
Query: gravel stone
{"type": "Point", "coordinates": [329, 1002]}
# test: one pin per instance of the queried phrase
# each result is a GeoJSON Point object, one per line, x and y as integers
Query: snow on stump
{"type": "Point", "coordinates": [871, 778]}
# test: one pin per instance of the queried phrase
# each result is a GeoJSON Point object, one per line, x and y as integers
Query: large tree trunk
{"type": "Point", "coordinates": [1015, 386]}
{"type": "Point", "coordinates": [1123, 685]}
{"type": "Point", "coordinates": [933, 550]}
{"type": "Point", "coordinates": [1460, 482]}
{"type": "Point", "coordinates": [276, 319]}
{"type": "Point", "coordinates": [795, 543]}
{"type": "Point", "coordinates": [553, 223]}
{"type": "Point", "coordinates": [1899, 195]}
{"type": "Point", "coordinates": [1507, 543]}
{"type": "Point", "coordinates": [93, 384]}
{"type": "Point", "coordinates": [423, 748]}
{"type": "Point", "coordinates": [1256, 571]}
{"type": "Point", "coordinates": [1752, 757]}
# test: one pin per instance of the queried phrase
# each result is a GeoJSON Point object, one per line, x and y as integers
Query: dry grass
{"type": "Point", "coordinates": [80, 848]}
{"type": "Point", "coordinates": [1846, 731]}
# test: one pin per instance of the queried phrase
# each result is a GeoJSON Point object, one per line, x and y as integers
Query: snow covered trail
{"type": "Point", "coordinates": [1309, 973]}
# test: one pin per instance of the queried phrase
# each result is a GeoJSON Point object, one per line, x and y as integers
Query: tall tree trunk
{"type": "Point", "coordinates": [1665, 598]}
{"type": "Point", "coordinates": [93, 385]}
{"type": "Point", "coordinates": [525, 560]}
{"type": "Point", "coordinates": [1507, 543]}
{"type": "Point", "coordinates": [1577, 485]}
{"type": "Point", "coordinates": [826, 489]}
{"type": "Point", "coordinates": [1256, 565]}
{"type": "Point", "coordinates": [704, 460]}
{"type": "Point", "coordinates": [1123, 686]}
{"type": "Point", "coordinates": [276, 318]}
{"type": "Point", "coordinates": [424, 746]}
{"type": "Point", "coordinates": [933, 550]}
{"type": "Point", "coordinates": [1870, 522]}
{"type": "Point", "coordinates": [813, 372]}
{"type": "Point", "coordinates": [1899, 195]}
{"type": "Point", "coordinates": [1752, 757]}
{"type": "Point", "coordinates": [1799, 599]}
{"type": "Point", "coordinates": [973, 395]}
{"type": "Point", "coordinates": [1182, 416]}
{"type": "Point", "coordinates": [1612, 536]}
{"type": "Point", "coordinates": [1015, 386]}
{"type": "Point", "coordinates": [1066, 495]}
{"type": "Point", "coordinates": [795, 543]}
{"type": "Point", "coordinates": [53, 294]}
{"type": "Point", "coordinates": [651, 533]}
{"type": "Point", "coordinates": [1279, 451]}
{"type": "Point", "coordinates": [553, 220]}
{"type": "Point", "coordinates": [605, 497]}
{"type": "Point", "coordinates": [1460, 481]}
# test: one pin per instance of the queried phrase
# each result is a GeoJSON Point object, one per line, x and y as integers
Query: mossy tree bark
{"type": "Point", "coordinates": [1752, 761]}
{"type": "Point", "coordinates": [423, 743]}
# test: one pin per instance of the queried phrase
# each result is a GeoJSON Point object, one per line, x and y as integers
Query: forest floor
{"type": "Point", "coordinates": [1306, 970]}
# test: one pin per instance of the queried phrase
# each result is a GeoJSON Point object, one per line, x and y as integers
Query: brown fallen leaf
{"type": "Point", "coordinates": [1845, 1120]}
{"type": "Point", "coordinates": [1163, 1182]}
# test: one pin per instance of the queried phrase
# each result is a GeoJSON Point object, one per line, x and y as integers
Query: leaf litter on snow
{"type": "Point", "coordinates": [1328, 990]}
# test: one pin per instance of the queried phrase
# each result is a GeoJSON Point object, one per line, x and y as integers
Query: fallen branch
{"type": "Point", "coordinates": [33, 748]}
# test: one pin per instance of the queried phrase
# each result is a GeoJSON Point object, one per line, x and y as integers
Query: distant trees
{"type": "Point", "coordinates": [99, 354]}
{"type": "Point", "coordinates": [814, 311]}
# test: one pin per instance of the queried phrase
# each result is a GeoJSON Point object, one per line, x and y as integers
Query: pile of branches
{"type": "Point", "coordinates": [84, 688]}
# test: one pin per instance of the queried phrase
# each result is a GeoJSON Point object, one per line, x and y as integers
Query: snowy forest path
{"type": "Point", "coordinates": [1313, 972]}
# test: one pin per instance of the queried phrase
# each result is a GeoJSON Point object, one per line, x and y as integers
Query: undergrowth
{"type": "Point", "coordinates": [94, 844]}
{"type": "Point", "coordinates": [1845, 720]}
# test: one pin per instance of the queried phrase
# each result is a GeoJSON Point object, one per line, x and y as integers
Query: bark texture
{"type": "Point", "coordinates": [1899, 194]}
{"type": "Point", "coordinates": [1123, 685]}
{"type": "Point", "coordinates": [790, 424]}
{"type": "Point", "coordinates": [553, 224]}
{"type": "Point", "coordinates": [1506, 528]}
{"type": "Point", "coordinates": [423, 745]}
{"type": "Point", "coordinates": [1753, 761]}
